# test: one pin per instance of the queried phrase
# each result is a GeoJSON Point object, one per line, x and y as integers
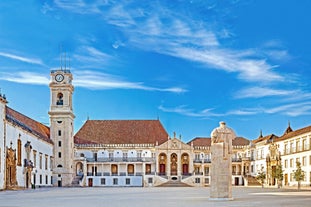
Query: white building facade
{"type": "Point", "coordinates": [129, 152]}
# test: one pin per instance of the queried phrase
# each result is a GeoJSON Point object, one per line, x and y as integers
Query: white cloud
{"type": "Point", "coordinates": [98, 80]}
{"type": "Point", "coordinates": [259, 92]}
{"type": "Point", "coordinates": [25, 78]}
{"type": "Point", "coordinates": [183, 110]}
{"type": "Point", "coordinates": [22, 59]}
{"type": "Point", "coordinates": [161, 29]}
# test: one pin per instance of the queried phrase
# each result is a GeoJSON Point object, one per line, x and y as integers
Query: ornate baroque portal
{"type": "Point", "coordinates": [11, 168]}
{"type": "Point", "coordinates": [174, 164]}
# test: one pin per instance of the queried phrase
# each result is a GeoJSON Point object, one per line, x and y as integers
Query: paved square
{"type": "Point", "coordinates": [151, 197]}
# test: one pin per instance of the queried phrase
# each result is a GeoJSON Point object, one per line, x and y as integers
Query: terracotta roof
{"type": "Point", "coordinates": [268, 138]}
{"type": "Point", "coordinates": [121, 132]}
{"type": "Point", "coordinates": [206, 141]}
{"type": "Point", "coordinates": [295, 133]}
{"type": "Point", "coordinates": [28, 124]}
{"type": "Point", "coordinates": [240, 141]}
{"type": "Point", "coordinates": [200, 141]}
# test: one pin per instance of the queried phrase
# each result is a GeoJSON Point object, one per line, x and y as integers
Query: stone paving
{"type": "Point", "coordinates": [152, 197]}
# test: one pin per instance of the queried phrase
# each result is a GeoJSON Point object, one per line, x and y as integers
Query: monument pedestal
{"type": "Point", "coordinates": [221, 173]}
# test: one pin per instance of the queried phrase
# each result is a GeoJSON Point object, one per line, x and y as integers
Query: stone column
{"type": "Point", "coordinates": [221, 164]}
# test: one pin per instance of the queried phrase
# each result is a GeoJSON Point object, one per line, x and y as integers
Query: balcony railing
{"type": "Point", "coordinates": [202, 160]}
{"type": "Point", "coordinates": [117, 174]}
{"type": "Point", "coordinates": [122, 159]}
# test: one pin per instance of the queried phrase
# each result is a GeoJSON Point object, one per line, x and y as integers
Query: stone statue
{"type": "Point", "coordinates": [223, 134]}
{"type": "Point", "coordinates": [221, 168]}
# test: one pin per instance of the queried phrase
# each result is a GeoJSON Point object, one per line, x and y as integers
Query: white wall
{"type": "Point", "coordinates": [13, 133]}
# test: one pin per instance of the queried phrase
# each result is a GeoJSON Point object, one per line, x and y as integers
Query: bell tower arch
{"type": "Point", "coordinates": [62, 126]}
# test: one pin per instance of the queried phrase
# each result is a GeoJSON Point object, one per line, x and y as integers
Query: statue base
{"type": "Point", "coordinates": [221, 173]}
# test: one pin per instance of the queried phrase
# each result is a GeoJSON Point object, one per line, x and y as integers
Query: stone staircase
{"type": "Point", "coordinates": [252, 181]}
{"type": "Point", "coordinates": [75, 181]}
{"type": "Point", "coordinates": [173, 183]}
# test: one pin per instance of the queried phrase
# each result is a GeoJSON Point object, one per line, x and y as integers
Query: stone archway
{"type": "Point", "coordinates": [185, 163]}
{"type": "Point", "coordinates": [11, 168]}
{"type": "Point", "coordinates": [162, 164]}
{"type": "Point", "coordinates": [174, 165]}
{"type": "Point", "coordinates": [79, 169]}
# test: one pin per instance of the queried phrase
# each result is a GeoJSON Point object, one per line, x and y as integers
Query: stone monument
{"type": "Point", "coordinates": [221, 168]}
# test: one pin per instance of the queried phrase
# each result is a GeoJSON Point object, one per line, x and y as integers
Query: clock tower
{"type": "Point", "coordinates": [61, 126]}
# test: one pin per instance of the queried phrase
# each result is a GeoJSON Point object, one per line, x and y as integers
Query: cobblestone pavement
{"type": "Point", "coordinates": [152, 197]}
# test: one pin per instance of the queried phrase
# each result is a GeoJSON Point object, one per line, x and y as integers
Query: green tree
{"type": "Point", "coordinates": [261, 177]}
{"type": "Point", "coordinates": [299, 174]}
{"type": "Point", "coordinates": [279, 174]}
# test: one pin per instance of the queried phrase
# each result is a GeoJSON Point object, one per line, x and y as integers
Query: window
{"type": "Point", "coordinates": [292, 148]}
{"type": "Point", "coordinates": [304, 144]}
{"type": "Point", "coordinates": [206, 181]}
{"type": "Point", "coordinates": [59, 154]}
{"type": "Point", "coordinates": [19, 152]}
{"type": "Point", "coordinates": [95, 156]}
{"type": "Point", "coordinates": [127, 181]}
{"type": "Point", "coordinates": [59, 132]}
{"type": "Point", "coordinates": [115, 181]}
{"type": "Point", "coordinates": [197, 156]}
{"type": "Point", "coordinates": [150, 180]}
{"type": "Point", "coordinates": [51, 163]}
{"type": "Point", "coordinates": [285, 163]}
{"type": "Point", "coordinates": [297, 160]}
{"type": "Point", "coordinates": [206, 170]}
{"type": "Point", "coordinates": [103, 181]}
{"type": "Point", "coordinates": [297, 145]}
{"type": "Point", "coordinates": [59, 101]}
{"type": "Point", "coordinates": [34, 158]}
{"type": "Point", "coordinates": [197, 180]}
{"type": "Point", "coordinates": [40, 161]}
{"type": "Point", "coordinates": [46, 179]}
{"type": "Point", "coordinates": [46, 162]}
{"type": "Point", "coordinates": [40, 179]}
{"type": "Point", "coordinates": [197, 170]}
{"type": "Point", "coordinates": [59, 143]}
{"type": "Point", "coordinates": [304, 161]}
{"type": "Point", "coordinates": [291, 163]}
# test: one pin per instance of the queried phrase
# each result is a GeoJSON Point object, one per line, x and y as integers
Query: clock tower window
{"type": "Point", "coordinates": [59, 99]}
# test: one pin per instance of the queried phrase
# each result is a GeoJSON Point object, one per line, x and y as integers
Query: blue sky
{"type": "Point", "coordinates": [191, 63]}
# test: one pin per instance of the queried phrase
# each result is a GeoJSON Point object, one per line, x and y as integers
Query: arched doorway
{"type": "Point", "coordinates": [79, 169]}
{"type": "Point", "coordinates": [130, 169]}
{"type": "Point", "coordinates": [185, 163]}
{"type": "Point", "coordinates": [174, 165]}
{"type": "Point", "coordinates": [114, 169]}
{"type": "Point", "coordinates": [162, 164]}
{"type": "Point", "coordinates": [11, 168]}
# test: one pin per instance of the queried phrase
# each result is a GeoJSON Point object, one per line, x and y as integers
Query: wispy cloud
{"type": "Point", "coordinates": [98, 80]}
{"type": "Point", "coordinates": [293, 109]}
{"type": "Point", "coordinates": [184, 110]}
{"type": "Point", "coordinates": [25, 78]}
{"type": "Point", "coordinates": [22, 59]}
{"type": "Point", "coordinates": [164, 30]}
{"type": "Point", "coordinates": [87, 79]}
{"type": "Point", "coordinates": [259, 92]}
{"type": "Point", "coordinates": [91, 56]}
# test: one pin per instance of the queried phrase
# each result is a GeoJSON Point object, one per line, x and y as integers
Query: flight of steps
{"type": "Point", "coordinates": [75, 181]}
{"type": "Point", "coordinates": [252, 181]}
{"type": "Point", "coordinates": [174, 184]}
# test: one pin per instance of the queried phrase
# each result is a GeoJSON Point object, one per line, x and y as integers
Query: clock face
{"type": "Point", "coordinates": [59, 77]}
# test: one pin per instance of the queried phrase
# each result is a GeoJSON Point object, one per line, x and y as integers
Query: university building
{"type": "Point", "coordinates": [129, 152]}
